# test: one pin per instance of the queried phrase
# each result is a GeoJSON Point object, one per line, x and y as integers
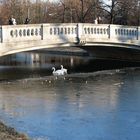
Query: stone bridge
{"type": "Point", "coordinates": [107, 40]}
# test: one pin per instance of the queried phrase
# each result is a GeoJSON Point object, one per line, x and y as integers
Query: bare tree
{"type": "Point", "coordinates": [64, 11]}
{"type": "Point", "coordinates": [111, 9]}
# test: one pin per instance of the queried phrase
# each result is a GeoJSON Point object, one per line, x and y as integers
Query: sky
{"type": "Point", "coordinates": [106, 1]}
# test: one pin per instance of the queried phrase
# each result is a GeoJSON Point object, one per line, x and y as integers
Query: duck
{"type": "Point", "coordinates": [57, 72]}
{"type": "Point", "coordinates": [63, 69]}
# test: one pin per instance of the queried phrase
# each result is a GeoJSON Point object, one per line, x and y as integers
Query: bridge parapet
{"type": "Point", "coordinates": [111, 33]}
{"type": "Point", "coordinates": [93, 32]}
{"type": "Point", "coordinates": [66, 32]}
{"type": "Point", "coordinates": [123, 32]}
{"type": "Point", "coordinates": [20, 33]}
{"type": "Point", "coordinates": [60, 33]}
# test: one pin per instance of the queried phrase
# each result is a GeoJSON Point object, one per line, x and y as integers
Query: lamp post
{"type": "Point", "coordinates": [71, 16]}
{"type": "Point", "coordinates": [95, 10]}
{"type": "Point", "coordinates": [0, 12]}
{"type": "Point", "coordinates": [138, 12]}
{"type": "Point", "coordinates": [82, 11]}
{"type": "Point", "coordinates": [28, 9]}
{"type": "Point", "coordinates": [71, 19]}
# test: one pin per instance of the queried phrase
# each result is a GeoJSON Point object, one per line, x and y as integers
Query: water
{"type": "Point", "coordinates": [83, 105]}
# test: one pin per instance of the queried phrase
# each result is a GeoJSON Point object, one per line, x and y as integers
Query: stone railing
{"type": "Point", "coordinates": [74, 33]}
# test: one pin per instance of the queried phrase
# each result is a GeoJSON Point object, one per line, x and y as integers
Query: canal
{"type": "Point", "coordinates": [96, 100]}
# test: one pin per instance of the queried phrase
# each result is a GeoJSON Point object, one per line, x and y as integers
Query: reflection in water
{"type": "Point", "coordinates": [40, 59]}
{"type": "Point", "coordinates": [24, 65]}
{"type": "Point", "coordinates": [93, 106]}
{"type": "Point", "coordinates": [38, 64]}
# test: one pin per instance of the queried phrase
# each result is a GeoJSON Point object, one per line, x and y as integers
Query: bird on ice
{"type": "Point", "coordinates": [63, 69]}
{"type": "Point", "coordinates": [57, 72]}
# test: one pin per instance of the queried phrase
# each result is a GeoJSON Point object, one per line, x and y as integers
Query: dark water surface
{"type": "Point", "coordinates": [83, 105]}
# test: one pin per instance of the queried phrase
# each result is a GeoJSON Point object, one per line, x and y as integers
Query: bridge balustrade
{"type": "Point", "coordinates": [59, 33]}
{"type": "Point", "coordinates": [21, 33]}
{"type": "Point", "coordinates": [95, 32]}
{"type": "Point", "coordinates": [122, 33]}
{"type": "Point", "coordinates": [64, 33]}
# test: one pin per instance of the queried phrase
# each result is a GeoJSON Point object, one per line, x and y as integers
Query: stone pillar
{"type": "Point", "coordinates": [1, 38]}
{"type": "Point", "coordinates": [45, 28]}
{"type": "Point", "coordinates": [80, 33]}
{"type": "Point", "coordinates": [42, 33]}
{"type": "Point", "coordinates": [108, 31]}
{"type": "Point", "coordinates": [138, 33]}
{"type": "Point", "coordinates": [111, 31]}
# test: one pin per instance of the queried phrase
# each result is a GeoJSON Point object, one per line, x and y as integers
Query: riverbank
{"type": "Point", "coordinates": [8, 133]}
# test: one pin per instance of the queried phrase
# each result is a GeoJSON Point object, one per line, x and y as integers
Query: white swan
{"type": "Point", "coordinates": [63, 69]}
{"type": "Point", "coordinates": [57, 72]}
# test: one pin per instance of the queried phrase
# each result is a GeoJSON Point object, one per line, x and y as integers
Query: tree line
{"type": "Point", "coordinates": [71, 11]}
